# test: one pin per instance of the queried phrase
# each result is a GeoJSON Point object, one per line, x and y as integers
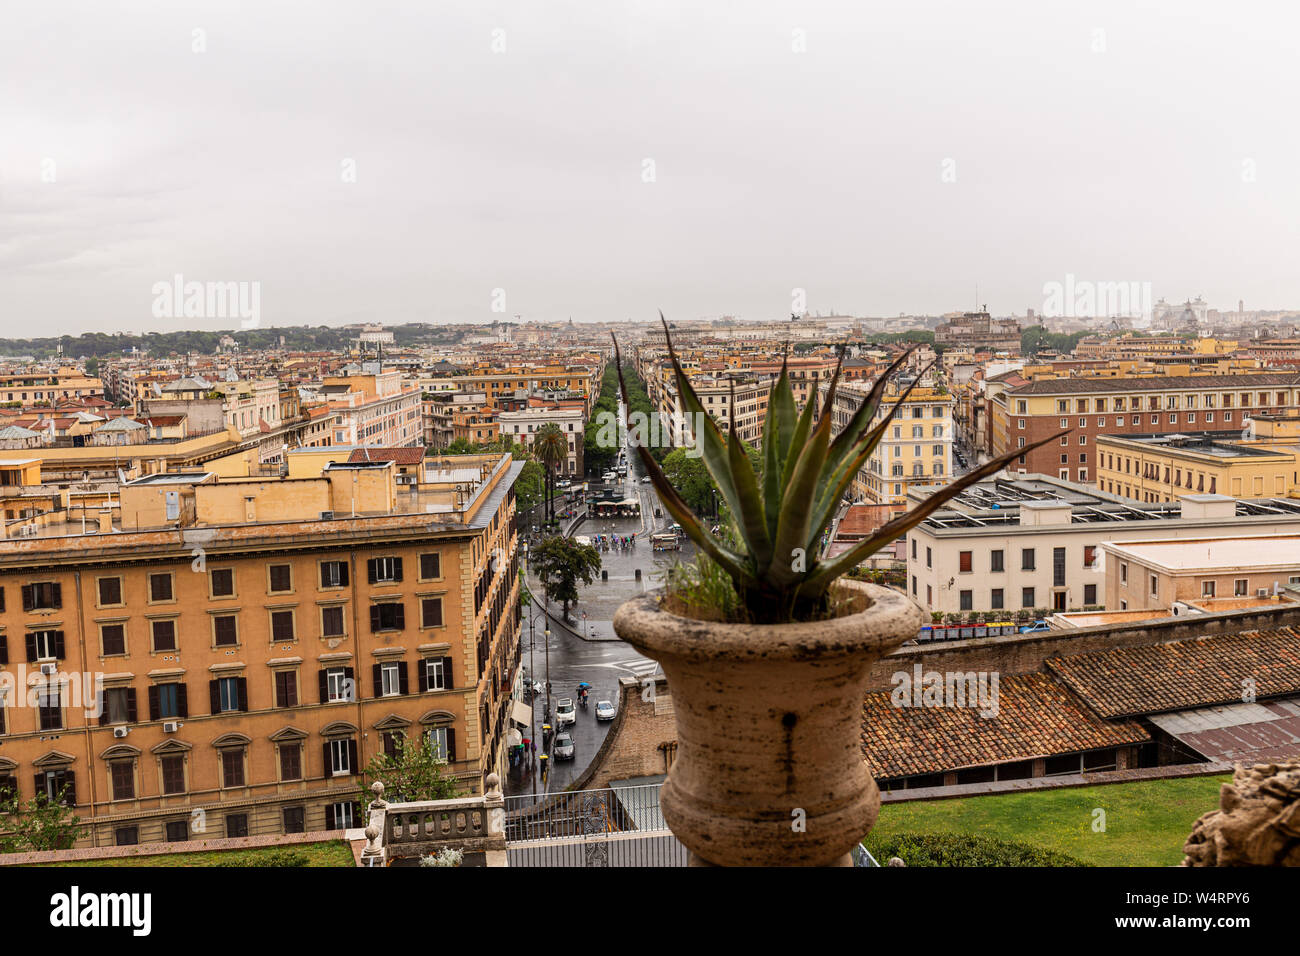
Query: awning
{"type": "Point", "coordinates": [514, 738]}
{"type": "Point", "coordinates": [521, 714]}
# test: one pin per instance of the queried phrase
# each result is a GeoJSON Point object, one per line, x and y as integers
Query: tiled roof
{"type": "Point", "coordinates": [1036, 717]}
{"type": "Point", "coordinates": [1158, 383]}
{"type": "Point", "coordinates": [403, 456]}
{"type": "Point", "coordinates": [1183, 674]}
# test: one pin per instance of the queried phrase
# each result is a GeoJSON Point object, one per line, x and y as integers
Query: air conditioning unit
{"type": "Point", "coordinates": [49, 670]}
{"type": "Point", "coordinates": [171, 726]}
{"type": "Point", "coordinates": [1261, 592]}
{"type": "Point", "coordinates": [327, 516]}
{"type": "Point", "coordinates": [121, 731]}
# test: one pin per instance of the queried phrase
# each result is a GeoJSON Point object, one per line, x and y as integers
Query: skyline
{"type": "Point", "coordinates": [397, 166]}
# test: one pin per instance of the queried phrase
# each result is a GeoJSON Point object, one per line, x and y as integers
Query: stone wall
{"type": "Point", "coordinates": [635, 744]}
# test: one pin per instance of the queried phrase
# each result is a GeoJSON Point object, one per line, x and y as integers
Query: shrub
{"type": "Point", "coordinates": [276, 858]}
{"type": "Point", "coordinates": [962, 849]}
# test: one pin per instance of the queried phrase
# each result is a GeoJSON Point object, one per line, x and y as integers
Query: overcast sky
{"type": "Point", "coordinates": [884, 157]}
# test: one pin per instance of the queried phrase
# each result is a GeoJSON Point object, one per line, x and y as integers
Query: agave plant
{"type": "Point", "coordinates": [781, 510]}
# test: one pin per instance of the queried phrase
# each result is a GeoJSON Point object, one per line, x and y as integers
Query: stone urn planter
{"type": "Point", "coordinates": [769, 768]}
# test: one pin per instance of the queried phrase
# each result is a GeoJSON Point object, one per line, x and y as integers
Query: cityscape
{"type": "Point", "coordinates": [607, 561]}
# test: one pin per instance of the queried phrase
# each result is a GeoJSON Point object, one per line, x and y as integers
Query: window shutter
{"type": "Point", "coordinates": [40, 783]}
{"type": "Point", "coordinates": [4, 649]}
{"type": "Point", "coordinates": [132, 716]}
{"type": "Point", "coordinates": [182, 701]}
{"type": "Point", "coordinates": [379, 680]}
{"type": "Point", "coordinates": [422, 676]}
{"type": "Point", "coordinates": [243, 694]}
{"type": "Point", "coordinates": [374, 618]}
{"type": "Point", "coordinates": [352, 756]}
{"type": "Point", "coordinates": [451, 744]}
{"type": "Point", "coordinates": [324, 678]}
{"type": "Point", "coordinates": [31, 648]}
{"type": "Point", "coordinates": [343, 574]}
{"type": "Point", "coordinates": [397, 569]}
{"type": "Point", "coordinates": [400, 616]}
{"type": "Point", "coordinates": [329, 807]}
{"type": "Point", "coordinates": [329, 766]}
{"type": "Point", "coordinates": [56, 592]}
{"type": "Point", "coordinates": [402, 686]}
{"type": "Point", "coordinates": [28, 591]}
{"type": "Point", "coordinates": [350, 674]}
{"type": "Point", "coordinates": [372, 568]}
{"type": "Point", "coordinates": [58, 643]}
{"type": "Point", "coordinates": [155, 706]}
{"type": "Point", "coordinates": [103, 707]}
{"type": "Point", "coordinates": [70, 797]}
{"type": "Point", "coordinates": [214, 696]}
{"type": "Point", "coordinates": [447, 682]}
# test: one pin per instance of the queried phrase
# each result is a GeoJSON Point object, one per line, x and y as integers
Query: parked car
{"type": "Point", "coordinates": [604, 710]}
{"type": "Point", "coordinates": [608, 477]}
{"type": "Point", "coordinates": [564, 712]}
{"type": "Point", "coordinates": [563, 747]}
{"type": "Point", "coordinates": [1036, 626]}
{"type": "Point", "coordinates": [645, 480]}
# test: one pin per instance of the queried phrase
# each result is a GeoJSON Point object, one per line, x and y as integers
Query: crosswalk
{"type": "Point", "coordinates": [636, 666]}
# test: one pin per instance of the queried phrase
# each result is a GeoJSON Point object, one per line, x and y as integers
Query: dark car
{"type": "Point", "coordinates": [563, 749]}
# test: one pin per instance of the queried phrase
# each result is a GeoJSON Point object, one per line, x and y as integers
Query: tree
{"type": "Point", "coordinates": [38, 824]}
{"type": "Point", "coordinates": [691, 479]}
{"type": "Point", "coordinates": [551, 447]}
{"type": "Point", "coordinates": [561, 562]}
{"type": "Point", "coordinates": [414, 774]}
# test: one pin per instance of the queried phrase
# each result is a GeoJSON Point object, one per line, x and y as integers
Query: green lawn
{"type": "Point", "coordinates": [332, 853]}
{"type": "Point", "coordinates": [1146, 823]}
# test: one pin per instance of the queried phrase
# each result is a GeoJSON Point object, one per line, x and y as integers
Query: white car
{"type": "Point", "coordinates": [564, 712]}
{"type": "Point", "coordinates": [604, 710]}
{"type": "Point", "coordinates": [645, 480]}
{"type": "Point", "coordinates": [608, 476]}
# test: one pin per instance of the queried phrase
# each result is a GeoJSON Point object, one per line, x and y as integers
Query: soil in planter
{"type": "Point", "coordinates": [703, 591]}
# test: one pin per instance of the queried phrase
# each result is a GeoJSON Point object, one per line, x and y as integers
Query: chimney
{"type": "Point", "coordinates": [1208, 507]}
{"type": "Point", "coordinates": [1035, 513]}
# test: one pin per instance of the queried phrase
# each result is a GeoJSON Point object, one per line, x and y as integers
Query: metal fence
{"type": "Point", "coordinates": [619, 826]}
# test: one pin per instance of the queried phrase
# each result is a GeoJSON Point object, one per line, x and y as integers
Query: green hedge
{"type": "Point", "coordinates": [962, 849]}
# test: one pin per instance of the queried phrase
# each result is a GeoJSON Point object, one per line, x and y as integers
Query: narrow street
{"type": "Point", "coordinates": [588, 649]}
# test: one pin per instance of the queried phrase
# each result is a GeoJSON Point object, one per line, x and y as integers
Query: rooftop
{"type": "Point", "coordinates": [1216, 555]}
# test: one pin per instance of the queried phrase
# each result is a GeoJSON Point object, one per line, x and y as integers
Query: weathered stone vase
{"type": "Point", "coordinates": [769, 768]}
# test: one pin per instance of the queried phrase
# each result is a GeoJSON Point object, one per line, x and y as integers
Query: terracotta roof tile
{"type": "Point", "coordinates": [1036, 717]}
{"type": "Point", "coordinates": [1184, 674]}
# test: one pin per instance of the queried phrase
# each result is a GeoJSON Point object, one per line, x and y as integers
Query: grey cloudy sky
{"type": "Point", "coordinates": [1134, 142]}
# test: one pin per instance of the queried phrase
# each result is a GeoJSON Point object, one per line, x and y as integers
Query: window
{"type": "Point", "coordinates": [1089, 555]}
{"type": "Point", "coordinates": [44, 646]}
{"type": "Point", "coordinates": [237, 825]}
{"type": "Point", "coordinates": [1027, 597]}
{"type": "Point", "coordinates": [110, 592]}
{"type": "Point", "coordinates": [435, 674]}
{"type": "Point", "coordinates": [173, 773]}
{"type": "Point", "coordinates": [996, 600]}
{"type": "Point", "coordinates": [967, 600]}
{"type": "Point", "coordinates": [341, 816]}
{"type": "Point", "coordinates": [126, 836]}
{"type": "Point", "coordinates": [119, 706]}
{"type": "Point", "coordinates": [430, 566]}
{"type": "Point", "coordinates": [443, 740]}
{"type": "Point", "coordinates": [178, 831]}
{"type": "Point", "coordinates": [964, 561]}
{"type": "Point", "coordinates": [1058, 567]}
{"type": "Point", "coordinates": [431, 612]}
{"type": "Point", "coordinates": [334, 574]}
{"type": "Point", "coordinates": [56, 784]}
{"type": "Point", "coordinates": [384, 570]}
{"type": "Point", "coordinates": [1207, 589]}
{"type": "Point", "coordinates": [222, 582]}
{"type": "Point", "coordinates": [232, 767]}
{"type": "Point", "coordinates": [295, 819]}
{"type": "Point", "coordinates": [122, 773]}
{"type": "Point", "coordinates": [49, 707]}
{"type": "Point", "coordinates": [928, 558]}
{"type": "Point", "coordinates": [160, 587]}
{"type": "Point", "coordinates": [45, 596]}
{"type": "Point", "coordinates": [282, 626]}
{"type": "Point", "coordinates": [390, 616]}
{"type": "Point", "coordinates": [1090, 594]}
{"type": "Point", "coordinates": [996, 561]}
{"type": "Point", "coordinates": [281, 577]}
{"type": "Point", "coordinates": [112, 639]}
{"type": "Point", "coordinates": [1026, 559]}
{"type": "Point", "coordinates": [337, 684]}
{"type": "Point", "coordinates": [223, 631]}
{"type": "Point", "coordinates": [286, 688]}
{"type": "Point", "coordinates": [1155, 586]}
{"type": "Point", "coordinates": [390, 679]}
{"type": "Point", "coordinates": [228, 694]}
{"type": "Point", "coordinates": [1240, 587]}
{"type": "Point", "coordinates": [340, 756]}
{"type": "Point", "coordinates": [1123, 572]}
{"type": "Point", "coordinates": [167, 702]}
{"type": "Point", "coordinates": [331, 621]}
{"type": "Point", "coordinates": [164, 635]}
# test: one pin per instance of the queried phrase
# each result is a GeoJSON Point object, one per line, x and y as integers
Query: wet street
{"type": "Point", "coordinates": [589, 650]}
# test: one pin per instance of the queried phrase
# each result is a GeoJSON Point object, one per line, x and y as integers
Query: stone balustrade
{"type": "Point", "coordinates": [409, 830]}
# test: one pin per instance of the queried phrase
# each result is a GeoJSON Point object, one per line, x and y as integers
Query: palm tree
{"type": "Point", "coordinates": [551, 447]}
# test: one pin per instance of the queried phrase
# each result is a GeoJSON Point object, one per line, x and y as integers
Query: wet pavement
{"type": "Point", "coordinates": [589, 650]}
